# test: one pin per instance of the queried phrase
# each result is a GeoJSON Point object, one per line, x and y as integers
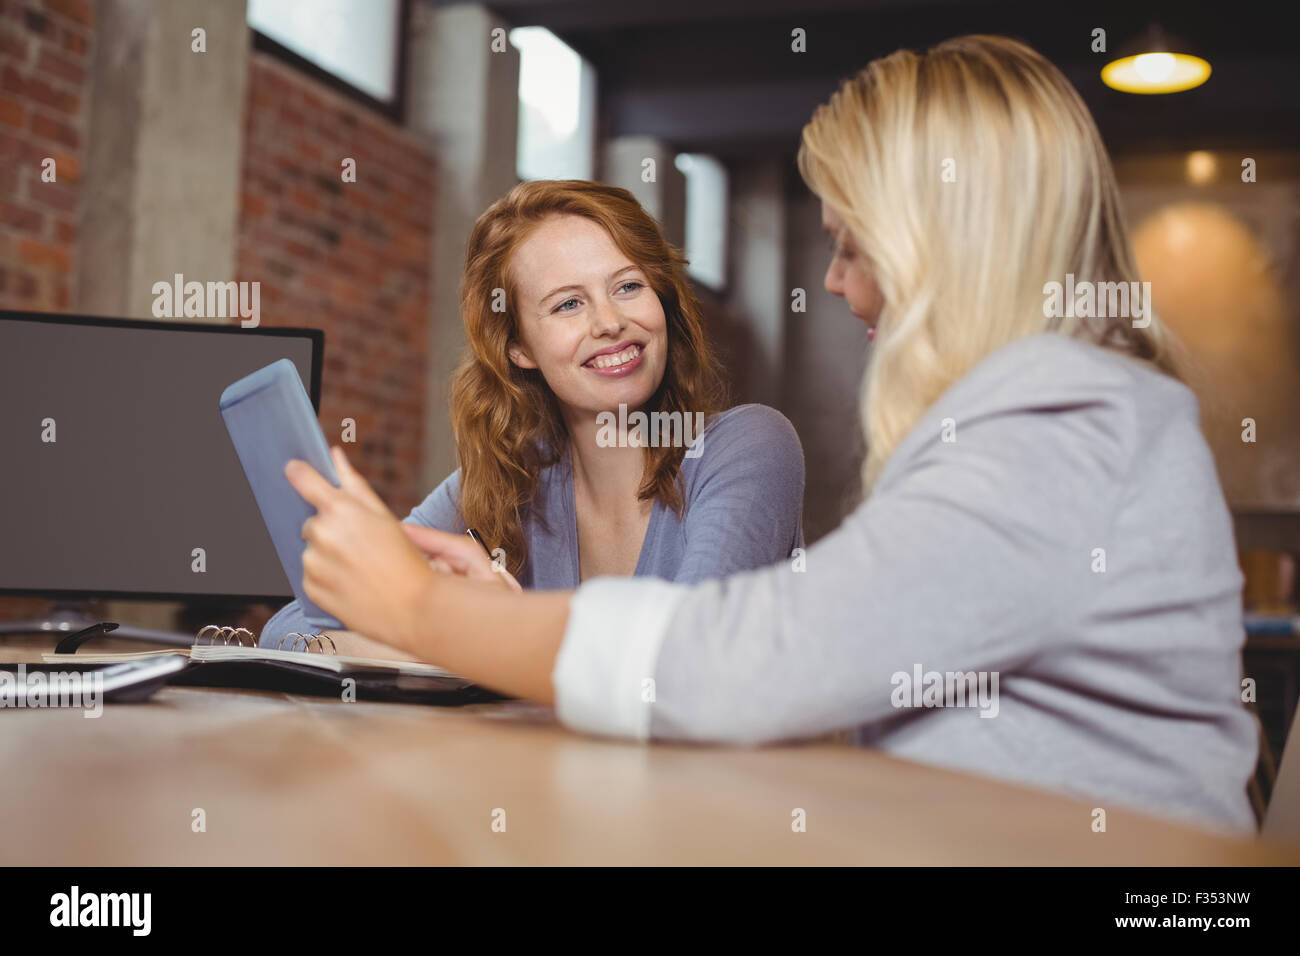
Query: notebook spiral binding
{"type": "Point", "coordinates": [226, 634]}
{"type": "Point", "coordinates": [308, 640]}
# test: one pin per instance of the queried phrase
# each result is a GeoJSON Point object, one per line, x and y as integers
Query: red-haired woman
{"type": "Point", "coordinates": [588, 410]}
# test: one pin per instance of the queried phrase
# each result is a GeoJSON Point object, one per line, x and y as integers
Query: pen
{"type": "Point", "coordinates": [479, 538]}
{"type": "Point", "coordinates": [498, 566]}
{"type": "Point", "coordinates": [69, 644]}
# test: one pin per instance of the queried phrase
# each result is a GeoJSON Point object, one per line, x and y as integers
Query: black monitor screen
{"type": "Point", "coordinates": [115, 465]}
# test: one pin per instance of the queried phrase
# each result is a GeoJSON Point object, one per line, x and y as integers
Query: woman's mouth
{"type": "Point", "coordinates": [615, 364]}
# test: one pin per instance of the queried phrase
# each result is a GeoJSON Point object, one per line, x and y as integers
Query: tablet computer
{"type": "Point", "coordinates": [271, 422]}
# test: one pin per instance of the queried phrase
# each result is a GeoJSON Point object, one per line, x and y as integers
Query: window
{"type": "Point", "coordinates": [353, 45]}
{"type": "Point", "coordinates": [706, 218]}
{"type": "Point", "coordinates": [557, 96]}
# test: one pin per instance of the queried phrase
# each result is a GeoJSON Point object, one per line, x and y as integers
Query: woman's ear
{"type": "Point", "coordinates": [519, 355]}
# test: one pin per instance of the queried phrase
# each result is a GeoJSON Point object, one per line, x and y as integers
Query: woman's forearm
{"type": "Point", "coordinates": [479, 630]}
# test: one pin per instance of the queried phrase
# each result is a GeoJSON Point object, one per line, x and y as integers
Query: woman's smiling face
{"type": "Point", "coordinates": [588, 319]}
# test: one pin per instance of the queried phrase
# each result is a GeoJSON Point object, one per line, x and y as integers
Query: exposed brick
{"type": "Point", "coordinates": [57, 196]}
{"type": "Point", "coordinates": [299, 252]}
{"type": "Point", "coordinates": [45, 94]}
{"type": "Point", "coordinates": [54, 130]}
{"type": "Point", "coordinates": [77, 10]}
{"type": "Point", "coordinates": [12, 112]}
{"type": "Point", "coordinates": [349, 258]}
{"type": "Point", "coordinates": [63, 67]}
{"type": "Point", "coordinates": [66, 167]}
{"type": "Point", "coordinates": [21, 218]}
{"type": "Point", "coordinates": [16, 149]}
{"type": "Point", "coordinates": [305, 198]}
{"type": "Point", "coordinates": [11, 179]}
{"type": "Point", "coordinates": [73, 41]}
{"type": "Point", "coordinates": [45, 255]}
{"type": "Point", "coordinates": [278, 268]}
{"type": "Point", "coordinates": [13, 44]}
{"type": "Point", "coordinates": [253, 206]}
{"type": "Point", "coordinates": [43, 86]}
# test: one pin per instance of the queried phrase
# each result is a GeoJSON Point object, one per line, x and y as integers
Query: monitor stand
{"type": "Point", "coordinates": [68, 617]}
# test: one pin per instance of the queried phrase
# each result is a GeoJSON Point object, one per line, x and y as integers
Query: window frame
{"type": "Point", "coordinates": [394, 110]}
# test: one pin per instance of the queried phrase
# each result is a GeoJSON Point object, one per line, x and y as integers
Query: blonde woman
{"type": "Point", "coordinates": [1043, 528]}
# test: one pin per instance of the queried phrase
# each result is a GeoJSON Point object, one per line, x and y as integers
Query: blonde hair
{"type": "Point", "coordinates": [961, 264]}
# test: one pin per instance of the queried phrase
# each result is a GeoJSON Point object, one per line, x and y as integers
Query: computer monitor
{"type": "Point", "coordinates": [117, 476]}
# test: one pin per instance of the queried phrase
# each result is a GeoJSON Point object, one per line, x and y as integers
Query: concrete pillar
{"type": "Point", "coordinates": [164, 156]}
{"type": "Point", "coordinates": [465, 98]}
{"type": "Point", "coordinates": [757, 258]}
{"type": "Point", "coordinates": [624, 164]}
{"type": "Point", "coordinates": [165, 150]}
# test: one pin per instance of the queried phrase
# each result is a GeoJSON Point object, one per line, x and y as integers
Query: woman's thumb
{"type": "Point", "coordinates": [439, 544]}
{"type": "Point", "coordinates": [350, 480]}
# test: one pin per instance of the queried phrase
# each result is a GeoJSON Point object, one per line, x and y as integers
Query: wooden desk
{"type": "Point", "coordinates": [303, 780]}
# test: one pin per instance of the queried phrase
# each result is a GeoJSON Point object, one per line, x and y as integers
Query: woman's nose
{"type": "Point", "coordinates": [606, 319]}
{"type": "Point", "coordinates": [834, 281]}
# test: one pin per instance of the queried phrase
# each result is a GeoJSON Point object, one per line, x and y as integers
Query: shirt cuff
{"type": "Point", "coordinates": [604, 672]}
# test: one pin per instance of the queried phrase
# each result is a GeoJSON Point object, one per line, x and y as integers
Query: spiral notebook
{"type": "Point", "coordinates": [303, 663]}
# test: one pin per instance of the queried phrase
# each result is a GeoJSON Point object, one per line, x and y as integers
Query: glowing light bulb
{"type": "Point", "coordinates": [1201, 167]}
{"type": "Point", "coordinates": [1156, 73]}
{"type": "Point", "coordinates": [1155, 67]}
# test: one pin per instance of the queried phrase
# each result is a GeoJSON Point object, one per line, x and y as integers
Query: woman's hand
{"type": "Point", "coordinates": [358, 564]}
{"type": "Point", "coordinates": [459, 554]}
{"type": "Point", "coordinates": [362, 566]}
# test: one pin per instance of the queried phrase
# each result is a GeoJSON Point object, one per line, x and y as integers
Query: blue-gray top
{"type": "Point", "coordinates": [743, 497]}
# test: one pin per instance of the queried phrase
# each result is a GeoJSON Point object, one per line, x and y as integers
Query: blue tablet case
{"type": "Point", "coordinates": [271, 422]}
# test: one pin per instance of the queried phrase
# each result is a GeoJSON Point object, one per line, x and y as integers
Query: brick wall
{"type": "Point", "coordinates": [44, 66]}
{"type": "Point", "coordinates": [352, 258]}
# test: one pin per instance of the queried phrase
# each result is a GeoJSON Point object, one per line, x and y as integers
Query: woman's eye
{"type": "Point", "coordinates": [631, 282]}
{"type": "Point", "coordinates": [561, 306]}
{"type": "Point", "coordinates": [838, 249]}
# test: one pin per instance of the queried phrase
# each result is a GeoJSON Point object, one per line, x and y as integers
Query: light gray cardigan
{"type": "Point", "coordinates": [1071, 540]}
